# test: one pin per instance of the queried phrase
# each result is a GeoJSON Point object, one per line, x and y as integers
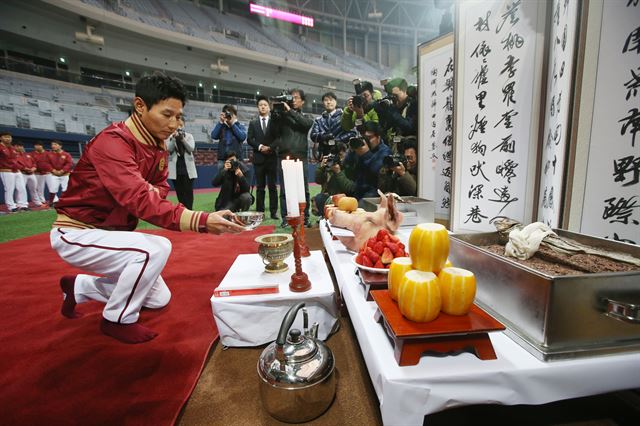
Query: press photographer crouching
{"type": "Point", "coordinates": [234, 189]}
{"type": "Point", "coordinates": [182, 165]}
{"type": "Point", "coordinates": [333, 178]}
{"type": "Point", "coordinates": [365, 157]}
{"type": "Point", "coordinates": [399, 173]}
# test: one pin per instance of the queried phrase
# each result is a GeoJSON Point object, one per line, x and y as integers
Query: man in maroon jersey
{"type": "Point", "coordinates": [27, 181]}
{"type": "Point", "coordinates": [8, 170]}
{"type": "Point", "coordinates": [43, 169]}
{"type": "Point", "coordinates": [121, 178]}
{"type": "Point", "coordinates": [61, 165]}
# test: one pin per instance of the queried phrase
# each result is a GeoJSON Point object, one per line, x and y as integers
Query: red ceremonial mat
{"type": "Point", "coordinates": [61, 371]}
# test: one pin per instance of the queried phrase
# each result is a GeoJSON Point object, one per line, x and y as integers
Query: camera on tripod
{"type": "Point", "coordinates": [393, 161]}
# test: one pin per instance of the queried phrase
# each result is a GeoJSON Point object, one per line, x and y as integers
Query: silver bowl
{"type": "Point", "coordinates": [274, 249]}
{"type": "Point", "coordinates": [250, 220]}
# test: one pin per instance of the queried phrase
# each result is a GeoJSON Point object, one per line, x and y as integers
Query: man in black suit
{"type": "Point", "coordinates": [264, 158]}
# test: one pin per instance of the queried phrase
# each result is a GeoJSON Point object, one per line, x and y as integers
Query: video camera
{"type": "Point", "coordinates": [333, 159]}
{"type": "Point", "coordinates": [393, 161]}
{"type": "Point", "coordinates": [279, 101]}
{"type": "Point", "coordinates": [328, 146]}
{"type": "Point", "coordinates": [357, 142]}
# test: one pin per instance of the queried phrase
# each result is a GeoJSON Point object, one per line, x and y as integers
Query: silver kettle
{"type": "Point", "coordinates": [297, 372]}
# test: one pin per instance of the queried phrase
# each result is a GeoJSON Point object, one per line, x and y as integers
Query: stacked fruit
{"type": "Point", "coordinates": [380, 250]}
{"type": "Point", "coordinates": [426, 283]}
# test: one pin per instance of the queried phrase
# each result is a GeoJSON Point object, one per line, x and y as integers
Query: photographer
{"type": "Point", "coordinates": [359, 109]}
{"type": "Point", "coordinates": [234, 188]}
{"type": "Point", "coordinates": [289, 132]}
{"type": "Point", "coordinates": [333, 178]}
{"type": "Point", "coordinates": [399, 173]}
{"type": "Point", "coordinates": [365, 159]}
{"type": "Point", "coordinates": [182, 166]}
{"type": "Point", "coordinates": [229, 133]}
{"type": "Point", "coordinates": [398, 115]}
{"type": "Point", "coordinates": [327, 132]}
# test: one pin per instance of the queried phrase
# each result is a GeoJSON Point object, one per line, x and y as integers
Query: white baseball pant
{"type": "Point", "coordinates": [9, 184]}
{"type": "Point", "coordinates": [42, 181]}
{"type": "Point", "coordinates": [57, 183]}
{"type": "Point", "coordinates": [130, 263]}
{"type": "Point", "coordinates": [21, 192]}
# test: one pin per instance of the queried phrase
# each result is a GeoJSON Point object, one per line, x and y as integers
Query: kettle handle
{"type": "Point", "coordinates": [287, 322]}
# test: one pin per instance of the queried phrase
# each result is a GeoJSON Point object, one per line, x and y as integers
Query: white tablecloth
{"type": "Point", "coordinates": [254, 320]}
{"type": "Point", "coordinates": [407, 394]}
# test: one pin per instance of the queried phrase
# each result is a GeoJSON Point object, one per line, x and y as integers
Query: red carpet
{"type": "Point", "coordinates": [61, 371]}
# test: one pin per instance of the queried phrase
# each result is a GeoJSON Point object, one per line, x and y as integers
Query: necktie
{"type": "Point", "coordinates": [264, 124]}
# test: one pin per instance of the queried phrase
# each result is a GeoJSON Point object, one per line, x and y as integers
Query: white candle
{"type": "Point", "coordinates": [299, 165]}
{"type": "Point", "coordinates": [290, 188]}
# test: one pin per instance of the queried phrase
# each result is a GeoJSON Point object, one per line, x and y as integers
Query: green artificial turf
{"type": "Point", "coordinates": [20, 225]}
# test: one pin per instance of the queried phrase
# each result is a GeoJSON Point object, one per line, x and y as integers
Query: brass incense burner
{"type": "Point", "coordinates": [274, 249]}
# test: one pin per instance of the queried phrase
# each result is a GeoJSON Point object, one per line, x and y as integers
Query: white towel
{"type": "Point", "coordinates": [523, 243]}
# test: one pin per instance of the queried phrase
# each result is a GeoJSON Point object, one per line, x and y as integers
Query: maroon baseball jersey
{"type": "Point", "coordinates": [61, 161]}
{"type": "Point", "coordinates": [43, 165]}
{"type": "Point", "coordinates": [25, 163]}
{"type": "Point", "coordinates": [8, 157]}
{"type": "Point", "coordinates": [122, 177]}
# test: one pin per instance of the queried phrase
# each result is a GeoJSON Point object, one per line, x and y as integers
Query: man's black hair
{"type": "Point", "coordinates": [299, 91]}
{"type": "Point", "coordinates": [261, 98]}
{"type": "Point", "coordinates": [5, 133]}
{"type": "Point", "coordinates": [366, 85]}
{"type": "Point", "coordinates": [17, 143]}
{"type": "Point", "coordinates": [408, 143]}
{"type": "Point", "coordinates": [158, 87]}
{"type": "Point", "coordinates": [331, 95]}
{"type": "Point", "coordinates": [232, 109]}
{"type": "Point", "coordinates": [372, 126]}
{"type": "Point", "coordinates": [230, 154]}
{"type": "Point", "coordinates": [38, 143]}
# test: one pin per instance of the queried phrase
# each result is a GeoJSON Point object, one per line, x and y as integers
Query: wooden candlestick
{"type": "Point", "coordinates": [304, 249]}
{"type": "Point", "coordinates": [299, 280]}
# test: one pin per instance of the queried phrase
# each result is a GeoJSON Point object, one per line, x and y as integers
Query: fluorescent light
{"type": "Point", "coordinates": [127, 73]}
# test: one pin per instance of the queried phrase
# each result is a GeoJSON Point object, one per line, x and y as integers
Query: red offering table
{"type": "Point", "coordinates": [447, 334]}
{"type": "Point", "coordinates": [372, 281]}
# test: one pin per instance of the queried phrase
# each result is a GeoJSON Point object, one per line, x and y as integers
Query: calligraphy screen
{"type": "Point", "coordinates": [436, 82]}
{"type": "Point", "coordinates": [557, 128]}
{"type": "Point", "coordinates": [498, 77]}
{"type": "Point", "coordinates": [612, 196]}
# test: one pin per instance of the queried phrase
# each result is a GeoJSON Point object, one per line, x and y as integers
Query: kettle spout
{"type": "Point", "coordinates": [314, 331]}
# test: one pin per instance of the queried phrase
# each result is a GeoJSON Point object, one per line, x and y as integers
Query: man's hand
{"type": "Point", "coordinates": [399, 170]}
{"type": "Point", "coordinates": [218, 224]}
{"type": "Point", "coordinates": [227, 165]}
{"type": "Point", "coordinates": [286, 106]}
{"type": "Point", "coordinates": [223, 119]}
{"type": "Point", "coordinates": [239, 172]}
{"type": "Point", "coordinates": [323, 163]}
{"type": "Point", "coordinates": [350, 103]}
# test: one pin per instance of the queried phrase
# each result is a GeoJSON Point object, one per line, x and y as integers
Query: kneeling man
{"type": "Point", "coordinates": [121, 178]}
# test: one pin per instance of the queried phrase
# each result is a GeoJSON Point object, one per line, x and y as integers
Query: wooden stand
{"type": "Point", "coordinates": [299, 280]}
{"type": "Point", "coordinates": [372, 281]}
{"type": "Point", "coordinates": [304, 249]}
{"type": "Point", "coordinates": [446, 335]}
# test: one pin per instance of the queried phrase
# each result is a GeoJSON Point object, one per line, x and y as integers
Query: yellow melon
{"type": "Point", "coordinates": [419, 296]}
{"type": "Point", "coordinates": [399, 266]}
{"type": "Point", "coordinates": [457, 289]}
{"type": "Point", "coordinates": [429, 247]}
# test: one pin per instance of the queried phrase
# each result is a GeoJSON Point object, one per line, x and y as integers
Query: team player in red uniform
{"type": "Point", "coordinates": [61, 165]}
{"type": "Point", "coordinates": [8, 170]}
{"type": "Point", "coordinates": [43, 169]}
{"type": "Point", "coordinates": [27, 181]}
{"type": "Point", "coordinates": [120, 178]}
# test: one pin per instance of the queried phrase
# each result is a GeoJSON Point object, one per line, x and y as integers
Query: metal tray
{"type": "Point", "coordinates": [555, 317]}
{"type": "Point", "coordinates": [416, 210]}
